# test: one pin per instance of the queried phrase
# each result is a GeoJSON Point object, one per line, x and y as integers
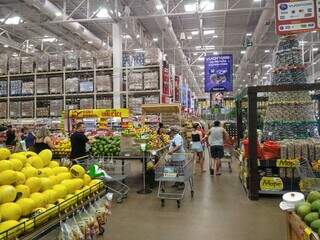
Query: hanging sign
{"type": "Point", "coordinates": [177, 89]}
{"type": "Point", "coordinates": [296, 16]}
{"type": "Point", "coordinates": [165, 83]}
{"type": "Point", "coordinates": [218, 73]}
{"type": "Point", "coordinates": [99, 113]}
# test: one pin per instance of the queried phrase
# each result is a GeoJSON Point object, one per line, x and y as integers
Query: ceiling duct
{"type": "Point", "coordinates": [48, 8]}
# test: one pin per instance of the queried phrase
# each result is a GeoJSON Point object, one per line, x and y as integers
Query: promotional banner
{"type": "Point", "coordinates": [296, 16]}
{"type": "Point", "coordinates": [184, 95]}
{"type": "Point", "coordinates": [218, 73]}
{"type": "Point", "coordinates": [177, 89]}
{"type": "Point", "coordinates": [172, 74]}
{"type": "Point", "coordinates": [189, 98]}
{"type": "Point", "coordinates": [165, 83]}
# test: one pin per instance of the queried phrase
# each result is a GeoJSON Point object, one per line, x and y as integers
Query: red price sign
{"type": "Point", "coordinates": [296, 16]}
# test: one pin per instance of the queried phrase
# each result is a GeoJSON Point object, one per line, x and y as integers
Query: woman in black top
{"type": "Point", "coordinates": [43, 140]}
{"type": "Point", "coordinates": [196, 145]}
{"type": "Point", "coordinates": [10, 137]}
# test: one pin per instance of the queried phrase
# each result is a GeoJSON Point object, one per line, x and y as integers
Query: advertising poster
{"type": "Point", "coordinates": [296, 16]}
{"type": "Point", "coordinates": [184, 95]}
{"type": "Point", "coordinates": [165, 83]}
{"type": "Point", "coordinates": [189, 98]}
{"type": "Point", "coordinates": [177, 89]}
{"type": "Point", "coordinates": [218, 73]}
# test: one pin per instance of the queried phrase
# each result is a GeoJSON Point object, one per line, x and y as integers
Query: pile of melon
{"type": "Point", "coordinates": [34, 188]}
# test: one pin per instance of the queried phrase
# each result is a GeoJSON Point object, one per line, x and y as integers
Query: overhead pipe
{"type": "Point", "coordinates": [48, 8]}
{"type": "Point", "coordinates": [258, 35]}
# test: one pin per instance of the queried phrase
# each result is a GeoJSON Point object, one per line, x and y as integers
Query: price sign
{"type": "Point", "coordinates": [287, 163]}
{"type": "Point", "coordinates": [271, 184]}
{"type": "Point", "coordinates": [296, 16]}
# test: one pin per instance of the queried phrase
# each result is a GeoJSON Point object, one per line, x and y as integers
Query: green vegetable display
{"type": "Point", "coordinates": [105, 146]}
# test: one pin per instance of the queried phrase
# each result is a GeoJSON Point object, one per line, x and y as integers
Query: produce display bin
{"type": "Point", "coordinates": [56, 85]}
{"type": "Point", "coordinates": [27, 64]}
{"type": "Point", "coordinates": [14, 65]}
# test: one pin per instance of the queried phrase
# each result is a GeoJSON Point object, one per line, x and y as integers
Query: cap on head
{"type": "Point", "coordinates": [174, 129]}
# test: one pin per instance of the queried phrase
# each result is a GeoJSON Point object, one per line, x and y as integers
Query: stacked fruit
{"type": "Point", "coordinates": [309, 211]}
{"type": "Point", "coordinates": [157, 142]}
{"type": "Point", "coordinates": [34, 188]}
{"type": "Point", "coordinates": [62, 147]}
{"type": "Point", "coordinates": [105, 146]}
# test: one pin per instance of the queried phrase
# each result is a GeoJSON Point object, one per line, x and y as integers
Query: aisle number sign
{"type": "Point", "coordinates": [271, 184]}
{"type": "Point", "coordinates": [99, 113]}
{"type": "Point", "coordinates": [296, 16]}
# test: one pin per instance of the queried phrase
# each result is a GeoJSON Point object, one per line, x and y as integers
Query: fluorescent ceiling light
{"type": "Point", "coordinates": [190, 7]}
{"type": "Point", "coordinates": [209, 46]}
{"type": "Point", "coordinates": [195, 54]}
{"type": "Point", "coordinates": [12, 20]}
{"type": "Point", "coordinates": [243, 52]}
{"type": "Point", "coordinates": [189, 37]}
{"type": "Point", "coordinates": [103, 13]}
{"type": "Point", "coordinates": [138, 36]}
{"type": "Point", "coordinates": [138, 50]}
{"type": "Point", "coordinates": [243, 80]}
{"type": "Point", "coordinates": [237, 65]}
{"type": "Point", "coordinates": [58, 14]}
{"type": "Point", "coordinates": [264, 77]}
{"type": "Point", "coordinates": [257, 0]}
{"type": "Point", "coordinates": [155, 39]}
{"type": "Point", "coordinates": [315, 49]}
{"type": "Point", "coordinates": [60, 44]}
{"type": "Point", "coordinates": [267, 50]}
{"type": "Point", "coordinates": [90, 42]}
{"type": "Point", "coordinates": [200, 59]}
{"type": "Point", "coordinates": [15, 54]}
{"type": "Point", "coordinates": [249, 34]}
{"type": "Point", "coordinates": [215, 53]}
{"type": "Point", "coordinates": [201, 67]}
{"type": "Point", "coordinates": [49, 39]}
{"type": "Point", "coordinates": [126, 36]}
{"type": "Point", "coordinates": [207, 32]}
{"type": "Point", "coordinates": [256, 65]}
{"type": "Point", "coordinates": [5, 45]}
{"type": "Point", "coordinates": [267, 66]}
{"type": "Point", "coordinates": [198, 47]}
{"type": "Point", "coordinates": [159, 7]}
{"type": "Point", "coordinates": [206, 6]}
{"type": "Point", "coordinates": [215, 36]}
{"type": "Point", "coordinates": [195, 32]}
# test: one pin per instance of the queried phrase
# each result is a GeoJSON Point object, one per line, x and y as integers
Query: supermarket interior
{"type": "Point", "coordinates": [158, 119]}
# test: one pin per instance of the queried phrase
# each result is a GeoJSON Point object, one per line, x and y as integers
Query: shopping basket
{"type": "Point", "coordinates": [178, 172]}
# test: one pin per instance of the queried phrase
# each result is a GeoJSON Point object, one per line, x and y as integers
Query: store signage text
{"type": "Point", "coordinates": [271, 184]}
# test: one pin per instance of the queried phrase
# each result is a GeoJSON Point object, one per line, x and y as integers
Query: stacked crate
{"type": "Point", "coordinates": [14, 65]}
{"type": "Point", "coordinates": [42, 62]}
{"type": "Point", "coordinates": [56, 85]}
{"type": "Point", "coordinates": [42, 85]}
{"type": "Point", "coordinates": [3, 107]}
{"type": "Point", "coordinates": [56, 107]}
{"type": "Point", "coordinates": [15, 109]}
{"type": "Point", "coordinates": [26, 64]}
{"type": "Point", "coordinates": [56, 62]}
{"type": "Point", "coordinates": [104, 59]}
{"type": "Point", "coordinates": [151, 80]}
{"type": "Point", "coordinates": [27, 109]}
{"type": "Point", "coordinates": [15, 88]}
{"type": "Point", "coordinates": [3, 88]}
{"type": "Point", "coordinates": [71, 60]}
{"type": "Point", "coordinates": [104, 83]}
{"type": "Point", "coordinates": [3, 64]}
{"type": "Point", "coordinates": [86, 59]}
{"type": "Point", "coordinates": [27, 88]}
{"type": "Point", "coordinates": [72, 85]}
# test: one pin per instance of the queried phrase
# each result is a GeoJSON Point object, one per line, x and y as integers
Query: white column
{"type": "Point", "coordinates": [117, 64]}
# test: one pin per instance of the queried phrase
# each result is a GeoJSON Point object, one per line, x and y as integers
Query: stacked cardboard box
{"type": "Point", "coordinates": [151, 80]}
{"type": "Point", "coordinates": [43, 110]}
{"type": "Point", "coordinates": [15, 109]}
{"type": "Point", "coordinates": [152, 99]}
{"type": "Point", "coordinates": [42, 85]}
{"type": "Point", "coordinates": [3, 64]}
{"type": "Point", "coordinates": [14, 65]}
{"type": "Point", "coordinates": [3, 88]}
{"type": "Point", "coordinates": [86, 103]}
{"type": "Point", "coordinates": [42, 62]}
{"type": "Point", "coordinates": [15, 87]}
{"type": "Point", "coordinates": [86, 86]}
{"type": "Point", "coordinates": [26, 64]}
{"type": "Point", "coordinates": [104, 103]}
{"type": "Point", "coordinates": [135, 81]}
{"type": "Point", "coordinates": [72, 85]}
{"type": "Point", "coordinates": [86, 59]}
{"type": "Point", "coordinates": [56, 85]}
{"type": "Point", "coordinates": [71, 60]}
{"type": "Point", "coordinates": [27, 88]}
{"type": "Point", "coordinates": [27, 109]}
{"type": "Point", "coordinates": [56, 107]}
{"type": "Point", "coordinates": [153, 56]}
{"type": "Point", "coordinates": [3, 107]}
{"type": "Point", "coordinates": [56, 62]}
{"type": "Point", "coordinates": [135, 105]}
{"type": "Point", "coordinates": [104, 83]}
{"type": "Point", "coordinates": [104, 59]}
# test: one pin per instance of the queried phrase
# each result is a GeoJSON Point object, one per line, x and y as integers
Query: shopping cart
{"type": "Point", "coordinates": [177, 172]}
{"type": "Point", "coordinates": [228, 156]}
{"type": "Point", "coordinates": [117, 172]}
{"type": "Point", "coordinates": [309, 179]}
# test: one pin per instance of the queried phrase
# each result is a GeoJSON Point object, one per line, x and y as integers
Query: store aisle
{"type": "Point", "coordinates": [219, 211]}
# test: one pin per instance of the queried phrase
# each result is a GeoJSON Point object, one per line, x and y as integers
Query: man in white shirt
{"type": "Point", "coordinates": [176, 148]}
{"type": "Point", "coordinates": [216, 137]}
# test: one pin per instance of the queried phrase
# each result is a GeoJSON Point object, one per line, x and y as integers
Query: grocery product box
{"type": "Point", "coordinates": [15, 87]}
{"type": "Point", "coordinates": [43, 111]}
{"type": "Point", "coordinates": [104, 83]}
{"type": "Point", "coordinates": [135, 81]}
{"type": "Point", "coordinates": [15, 109]}
{"type": "Point", "coordinates": [71, 60]}
{"type": "Point", "coordinates": [151, 80]}
{"type": "Point", "coordinates": [14, 65]}
{"type": "Point", "coordinates": [86, 86]}
{"type": "Point", "coordinates": [135, 105]}
{"type": "Point", "coordinates": [86, 103]}
{"type": "Point", "coordinates": [27, 109]}
{"type": "Point", "coordinates": [153, 56]}
{"type": "Point", "coordinates": [72, 85]}
{"type": "Point", "coordinates": [56, 62]}
{"type": "Point", "coordinates": [27, 64]}
{"type": "Point", "coordinates": [152, 99]}
{"type": "Point", "coordinates": [42, 62]}
{"type": "Point", "coordinates": [3, 107]}
{"type": "Point", "coordinates": [3, 88]}
{"type": "Point", "coordinates": [56, 107]}
{"type": "Point", "coordinates": [27, 88]}
{"type": "Point", "coordinates": [56, 85]}
{"type": "Point", "coordinates": [42, 85]}
{"type": "Point", "coordinates": [138, 59]}
{"type": "Point", "coordinates": [104, 103]}
{"type": "Point", "coordinates": [86, 59]}
{"type": "Point", "coordinates": [3, 64]}
{"type": "Point", "coordinates": [104, 59]}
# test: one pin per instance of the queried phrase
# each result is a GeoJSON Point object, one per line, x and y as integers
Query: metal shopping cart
{"type": "Point", "coordinates": [116, 173]}
{"type": "Point", "coordinates": [228, 156]}
{"type": "Point", "coordinates": [178, 172]}
{"type": "Point", "coordinates": [309, 179]}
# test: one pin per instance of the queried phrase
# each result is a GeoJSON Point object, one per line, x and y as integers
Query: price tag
{"type": "Point", "coordinates": [170, 175]}
{"type": "Point", "coordinates": [271, 184]}
{"type": "Point", "coordinates": [307, 233]}
{"type": "Point", "coordinates": [287, 163]}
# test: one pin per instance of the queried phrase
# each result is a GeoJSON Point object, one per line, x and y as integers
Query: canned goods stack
{"type": "Point", "coordinates": [289, 115]}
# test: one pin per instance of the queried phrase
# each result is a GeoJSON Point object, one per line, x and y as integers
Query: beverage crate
{"type": "Point", "coordinates": [3, 64]}
{"type": "Point", "coordinates": [104, 59]}
{"type": "Point", "coordinates": [86, 59]}
{"type": "Point", "coordinates": [56, 85]}
{"type": "Point", "coordinates": [15, 109]}
{"type": "Point", "coordinates": [42, 62]}
{"type": "Point", "coordinates": [71, 60]}
{"type": "Point", "coordinates": [15, 87]}
{"type": "Point", "coordinates": [104, 103]}
{"type": "Point", "coordinates": [104, 83]}
{"type": "Point", "coordinates": [27, 109]}
{"type": "Point", "coordinates": [14, 65]}
{"type": "Point", "coordinates": [42, 85]}
{"type": "Point", "coordinates": [151, 80]}
{"type": "Point", "coordinates": [3, 107]}
{"type": "Point", "coordinates": [56, 107]}
{"type": "Point", "coordinates": [86, 103]}
{"type": "Point", "coordinates": [86, 86]}
{"type": "Point", "coordinates": [135, 81]}
{"type": "Point", "coordinates": [43, 111]}
{"type": "Point", "coordinates": [3, 88]}
{"type": "Point", "coordinates": [27, 64]}
{"type": "Point", "coordinates": [27, 88]}
{"type": "Point", "coordinates": [56, 62]}
{"type": "Point", "coordinates": [72, 85]}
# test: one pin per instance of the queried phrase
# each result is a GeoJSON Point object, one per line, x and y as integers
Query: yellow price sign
{"type": "Point", "coordinates": [287, 163]}
{"type": "Point", "coordinates": [271, 184]}
{"type": "Point", "coordinates": [307, 233]}
{"type": "Point", "coordinates": [99, 113]}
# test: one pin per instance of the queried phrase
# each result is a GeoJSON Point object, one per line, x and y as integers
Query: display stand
{"type": "Point", "coordinates": [251, 93]}
{"type": "Point", "coordinates": [145, 189]}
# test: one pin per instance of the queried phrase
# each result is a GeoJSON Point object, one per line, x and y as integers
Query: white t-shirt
{"type": "Point", "coordinates": [177, 141]}
{"type": "Point", "coordinates": [216, 136]}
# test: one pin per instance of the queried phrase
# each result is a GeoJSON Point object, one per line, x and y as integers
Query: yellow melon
{"type": "Point", "coordinates": [21, 156]}
{"type": "Point", "coordinates": [26, 205]}
{"type": "Point", "coordinates": [46, 172]}
{"type": "Point", "coordinates": [29, 172]}
{"type": "Point", "coordinates": [46, 183]}
{"type": "Point", "coordinates": [39, 199]}
{"type": "Point", "coordinates": [8, 177]}
{"type": "Point", "coordinates": [46, 156]}
{"type": "Point", "coordinates": [63, 176]}
{"type": "Point", "coordinates": [4, 153]}
{"type": "Point", "coordinates": [21, 178]}
{"type": "Point", "coordinates": [5, 165]}
{"type": "Point", "coordinates": [86, 179]}
{"type": "Point", "coordinates": [10, 211]}
{"type": "Point", "coordinates": [77, 171]}
{"type": "Point", "coordinates": [17, 164]}
{"type": "Point", "coordinates": [34, 183]}
{"type": "Point", "coordinates": [7, 193]}
{"type": "Point", "coordinates": [36, 162]}
{"type": "Point", "coordinates": [69, 184]}
{"type": "Point", "coordinates": [9, 228]}
{"type": "Point", "coordinates": [58, 170]}
{"type": "Point", "coordinates": [61, 190]}
{"type": "Point", "coordinates": [53, 164]}
{"type": "Point", "coordinates": [23, 191]}
{"type": "Point", "coordinates": [51, 195]}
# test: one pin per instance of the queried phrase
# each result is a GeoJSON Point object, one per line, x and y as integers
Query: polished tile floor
{"type": "Point", "coordinates": [219, 211]}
